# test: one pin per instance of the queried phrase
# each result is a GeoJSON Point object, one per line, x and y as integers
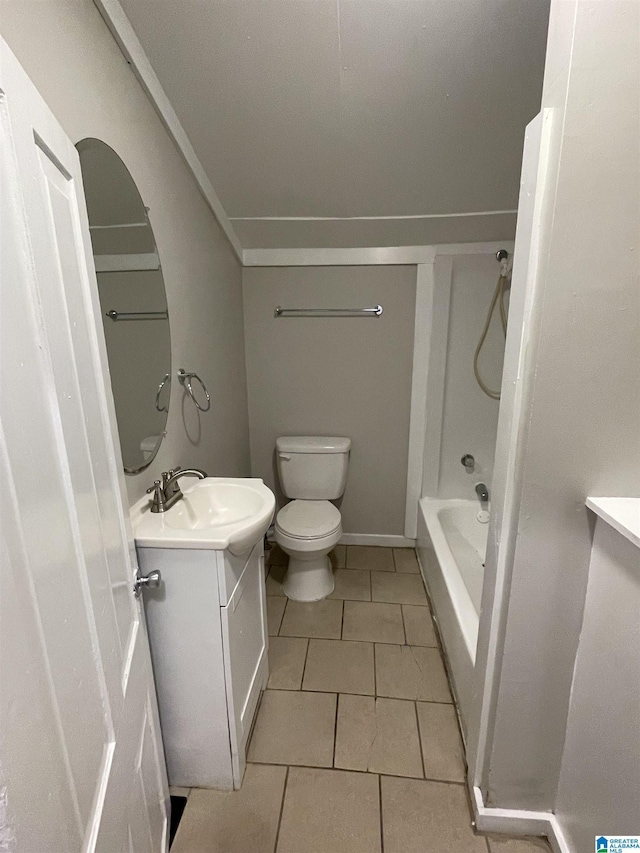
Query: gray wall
{"type": "Point", "coordinates": [69, 54]}
{"type": "Point", "coordinates": [599, 790]}
{"type": "Point", "coordinates": [470, 418]}
{"type": "Point", "coordinates": [584, 422]}
{"type": "Point", "coordinates": [337, 376]}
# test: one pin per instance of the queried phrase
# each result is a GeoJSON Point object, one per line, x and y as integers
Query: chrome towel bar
{"type": "Point", "coordinates": [376, 311]}
{"type": "Point", "coordinates": [137, 315]}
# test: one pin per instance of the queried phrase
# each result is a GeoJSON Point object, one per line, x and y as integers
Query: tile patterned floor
{"type": "Point", "coordinates": [356, 746]}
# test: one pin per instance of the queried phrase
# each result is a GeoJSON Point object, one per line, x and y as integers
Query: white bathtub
{"type": "Point", "coordinates": [451, 547]}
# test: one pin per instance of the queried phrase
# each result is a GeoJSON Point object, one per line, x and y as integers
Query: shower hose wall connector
{"type": "Point", "coordinates": [502, 256]}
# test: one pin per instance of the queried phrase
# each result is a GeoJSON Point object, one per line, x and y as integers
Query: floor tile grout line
{"type": "Point", "coordinates": [350, 693]}
{"type": "Point", "coordinates": [424, 769]}
{"type": "Point", "coordinates": [284, 794]}
{"type": "Point", "coordinates": [375, 675]}
{"type": "Point", "coordinates": [346, 639]}
{"type": "Point", "coordinates": [360, 640]}
{"type": "Point", "coordinates": [284, 610]}
{"type": "Point", "coordinates": [360, 600]}
{"type": "Point", "coordinates": [426, 779]}
{"type": "Point", "coordinates": [335, 732]}
{"type": "Point", "coordinates": [365, 569]}
{"type": "Point", "coordinates": [404, 627]}
{"type": "Point", "coordinates": [362, 772]}
{"type": "Point", "coordinates": [380, 806]}
{"type": "Point", "coordinates": [304, 665]}
{"type": "Point", "coordinates": [338, 640]}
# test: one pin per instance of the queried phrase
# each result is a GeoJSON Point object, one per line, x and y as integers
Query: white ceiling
{"type": "Point", "coordinates": [353, 109]}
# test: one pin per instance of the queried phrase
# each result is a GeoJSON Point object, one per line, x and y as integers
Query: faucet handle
{"type": "Point", "coordinates": [157, 502]}
{"type": "Point", "coordinates": [469, 462]}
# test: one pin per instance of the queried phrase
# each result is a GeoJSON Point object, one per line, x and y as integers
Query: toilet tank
{"type": "Point", "coordinates": [313, 468]}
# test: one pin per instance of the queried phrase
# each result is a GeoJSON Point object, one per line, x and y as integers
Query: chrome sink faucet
{"type": "Point", "coordinates": [167, 492]}
{"type": "Point", "coordinates": [483, 494]}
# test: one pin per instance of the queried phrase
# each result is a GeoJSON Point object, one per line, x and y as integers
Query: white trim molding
{"type": "Point", "coordinates": [129, 44]}
{"type": "Point", "coordinates": [422, 335]}
{"type": "Point", "coordinates": [382, 540]}
{"type": "Point", "coordinates": [518, 822]}
{"type": "Point", "coordinates": [366, 256]}
{"type": "Point", "coordinates": [434, 371]}
{"type": "Point", "coordinates": [370, 218]}
{"type": "Point", "coordinates": [517, 384]}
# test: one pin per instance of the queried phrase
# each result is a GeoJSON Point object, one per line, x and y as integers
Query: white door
{"type": "Point", "coordinates": [81, 764]}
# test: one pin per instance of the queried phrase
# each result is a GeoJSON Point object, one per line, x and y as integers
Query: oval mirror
{"type": "Point", "coordinates": [133, 302]}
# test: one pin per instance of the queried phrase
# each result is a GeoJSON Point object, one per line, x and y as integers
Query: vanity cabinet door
{"type": "Point", "coordinates": [244, 636]}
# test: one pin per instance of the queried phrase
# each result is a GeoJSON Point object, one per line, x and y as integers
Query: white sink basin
{"type": "Point", "coordinates": [218, 513]}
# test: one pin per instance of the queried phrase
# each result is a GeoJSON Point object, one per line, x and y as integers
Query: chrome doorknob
{"type": "Point", "coordinates": [152, 581]}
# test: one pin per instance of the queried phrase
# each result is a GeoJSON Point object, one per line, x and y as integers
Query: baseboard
{"type": "Point", "coordinates": [383, 540]}
{"type": "Point", "coordinates": [518, 822]}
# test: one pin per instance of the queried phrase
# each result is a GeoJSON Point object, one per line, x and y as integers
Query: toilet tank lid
{"type": "Point", "coordinates": [312, 444]}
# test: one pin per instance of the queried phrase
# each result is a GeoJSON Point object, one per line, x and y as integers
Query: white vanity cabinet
{"type": "Point", "coordinates": [207, 627]}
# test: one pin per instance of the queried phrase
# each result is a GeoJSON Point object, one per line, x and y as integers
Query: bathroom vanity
{"type": "Point", "coordinates": [207, 626]}
{"type": "Point", "coordinates": [208, 634]}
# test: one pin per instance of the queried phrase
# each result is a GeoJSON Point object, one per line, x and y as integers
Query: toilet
{"type": "Point", "coordinates": [313, 472]}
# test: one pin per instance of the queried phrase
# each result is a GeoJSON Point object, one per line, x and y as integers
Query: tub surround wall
{"type": "Point", "coordinates": [470, 418]}
{"type": "Point", "coordinates": [583, 435]}
{"type": "Point", "coordinates": [335, 376]}
{"type": "Point", "coordinates": [93, 93]}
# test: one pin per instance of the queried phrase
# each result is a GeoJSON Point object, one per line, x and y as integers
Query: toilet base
{"type": "Point", "coordinates": [309, 577]}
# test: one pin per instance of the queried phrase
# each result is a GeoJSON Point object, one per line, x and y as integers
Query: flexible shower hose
{"type": "Point", "coordinates": [498, 296]}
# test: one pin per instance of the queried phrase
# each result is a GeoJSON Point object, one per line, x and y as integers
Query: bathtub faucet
{"type": "Point", "coordinates": [483, 493]}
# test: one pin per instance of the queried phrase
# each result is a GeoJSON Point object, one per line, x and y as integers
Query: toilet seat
{"type": "Point", "coordinates": [308, 520]}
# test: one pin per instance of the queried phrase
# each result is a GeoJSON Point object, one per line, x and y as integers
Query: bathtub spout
{"type": "Point", "coordinates": [482, 493]}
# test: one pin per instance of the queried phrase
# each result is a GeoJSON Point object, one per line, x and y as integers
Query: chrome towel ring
{"type": "Point", "coordinates": [159, 391]}
{"type": "Point", "coordinates": [185, 380]}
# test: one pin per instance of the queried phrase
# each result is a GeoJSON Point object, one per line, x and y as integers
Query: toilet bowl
{"type": "Point", "coordinates": [312, 471]}
{"type": "Point", "coordinates": [307, 531]}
